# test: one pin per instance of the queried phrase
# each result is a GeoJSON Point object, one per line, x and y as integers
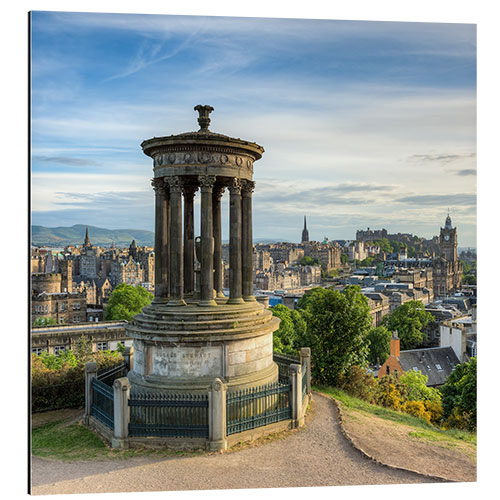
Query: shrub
{"type": "Point", "coordinates": [58, 381]}
{"type": "Point", "coordinates": [390, 392]}
{"type": "Point", "coordinates": [358, 383]}
{"type": "Point", "coordinates": [435, 410]}
{"type": "Point", "coordinates": [417, 409]}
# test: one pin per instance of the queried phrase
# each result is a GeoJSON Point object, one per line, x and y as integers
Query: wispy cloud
{"type": "Point", "coordinates": [441, 158]}
{"type": "Point", "coordinates": [440, 200]}
{"type": "Point", "coordinates": [66, 160]}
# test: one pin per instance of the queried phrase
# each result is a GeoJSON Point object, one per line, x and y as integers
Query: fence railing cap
{"type": "Point", "coordinates": [91, 366]}
{"type": "Point", "coordinates": [122, 383]}
{"type": "Point", "coordinates": [295, 368]}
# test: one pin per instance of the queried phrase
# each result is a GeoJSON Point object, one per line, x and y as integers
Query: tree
{"type": "Point", "coordinates": [384, 245]}
{"type": "Point", "coordinates": [292, 327]}
{"type": "Point", "coordinates": [337, 326]}
{"type": "Point", "coordinates": [44, 321]}
{"type": "Point", "coordinates": [460, 395]}
{"type": "Point", "coordinates": [126, 301]}
{"type": "Point", "coordinates": [344, 259]}
{"type": "Point", "coordinates": [379, 344]}
{"type": "Point", "coordinates": [309, 261]}
{"type": "Point", "coordinates": [416, 388]}
{"type": "Point", "coordinates": [408, 320]}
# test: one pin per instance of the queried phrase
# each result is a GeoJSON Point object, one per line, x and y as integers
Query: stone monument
{"type": "Point", "coordinates": [187, 337]}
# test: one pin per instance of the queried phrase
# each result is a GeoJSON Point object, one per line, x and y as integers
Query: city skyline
{"type": "Point", "coordinates": [365, 124]}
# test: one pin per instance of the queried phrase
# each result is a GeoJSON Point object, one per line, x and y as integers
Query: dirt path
{"type": "Point", "coordinates": [317, 455]}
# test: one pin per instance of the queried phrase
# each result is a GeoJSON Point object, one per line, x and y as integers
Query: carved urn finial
{"type": "Point", "coordinates": [204, 119]}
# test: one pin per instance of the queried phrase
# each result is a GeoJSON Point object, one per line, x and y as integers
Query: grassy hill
{"type": "Point", "coordinates": [75, 235]}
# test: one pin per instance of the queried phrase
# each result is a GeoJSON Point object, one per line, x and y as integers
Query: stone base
{"type": "Point", "coordinates": [183, 349]}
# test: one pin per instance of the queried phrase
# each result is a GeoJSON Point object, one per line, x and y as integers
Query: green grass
{"type": "Point", "coordinates": [422, 429]}
{"type": "Point", "coordinates": [60, 441]}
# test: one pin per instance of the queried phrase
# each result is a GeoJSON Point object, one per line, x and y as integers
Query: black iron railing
{"type": "Point", "coordinates": [257, 406]}
{"type": "Point", "coordinates": [169, 415]}
{"type": "Point", "coordinates": [102, 402]}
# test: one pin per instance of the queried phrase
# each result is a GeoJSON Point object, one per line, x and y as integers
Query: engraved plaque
{"type": "Point", "coordinates": [187, 362]}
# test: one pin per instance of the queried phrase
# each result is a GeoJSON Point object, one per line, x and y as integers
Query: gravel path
{"type": "Point", "coordinates": [317, 455]}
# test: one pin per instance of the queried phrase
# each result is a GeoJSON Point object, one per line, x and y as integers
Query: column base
{"type": "Point", "coordinates": [207, 303]}
{"type": "Point", "coordinates": [176, 303]}
{"type": "Point", "coordinates": [249, 298]}
{"type": "Point", "coordinates": [160, 300]}
{"type": "Point", "coordinates": [238, 300]}
{"type": "Point", "coordinates": [220, 295]}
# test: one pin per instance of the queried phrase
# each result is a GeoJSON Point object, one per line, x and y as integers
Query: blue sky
{"type": "Point", "coordinates": [363, 123]}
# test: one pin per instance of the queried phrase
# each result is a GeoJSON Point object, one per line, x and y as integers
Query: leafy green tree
{"type": "Point", "coordinates": [337, 326]}
{"type": "Point", "coordinates": [309, 261]}
{"type": "Point", "coordinates": [292, 327]}
{"type": "Point", "coordinates": [416, 388]}
{"type": "Point", "coordinates": [384, 245]}
{"type": "Point", "coordinates": [45, 321]}
{"type": "Point", "coordinates": [344, 259]}
{"type": "Point", "coordinates": [409, 320]}
{"type": "Point", "coordinates": [126, 301]}
{"type": "Point", "coordinates": [83, 349]}
{"type": "Point", "coordinates": [460, 394]}
{"type": "Point", "coordinates": [379, 344]}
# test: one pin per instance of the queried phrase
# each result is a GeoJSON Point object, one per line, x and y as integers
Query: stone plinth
{"type": "Point", "coordinates": [186, 348]}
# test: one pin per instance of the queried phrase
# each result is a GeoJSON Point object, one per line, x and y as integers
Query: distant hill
{"type": "Point", "coordinates": [75, 235]}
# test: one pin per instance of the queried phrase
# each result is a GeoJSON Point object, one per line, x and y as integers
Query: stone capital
{"type": "Point", "coordinates": [158, 183]}
{"type": "Point", "coordinates": [247, 188]}
{"type": "Point", "coordinates": [235, 186]}
{"type": "Point", "coordinates": [174, 183]}
{"type": "Point", "coordinates": [206, 182]}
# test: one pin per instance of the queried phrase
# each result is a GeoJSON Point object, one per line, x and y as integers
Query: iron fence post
{"type": "Point", "coordinates": [121, 394]}
{"type": "Point", "coordinates": [217, 415]}
{"type": "Point", "coordinates": [90, 373]}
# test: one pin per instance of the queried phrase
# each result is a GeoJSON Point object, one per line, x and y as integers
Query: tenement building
{"type": "Point", "coordinates": [52, 296]}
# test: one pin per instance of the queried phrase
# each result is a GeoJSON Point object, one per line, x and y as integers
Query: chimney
{"type": "Point", "coordinates": [395, 344]}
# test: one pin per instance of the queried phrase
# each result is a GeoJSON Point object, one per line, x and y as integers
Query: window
{"type": "Point", "coordinates": [438, 367]}
{"type": "Point", "coordinates": [387, 370]}
{"type": "Point", "coordinates": [102, 346]}
{"type": "Point", "coordinates": [58, 349]}
{"type": "Point", "coordinates": [38, 350]}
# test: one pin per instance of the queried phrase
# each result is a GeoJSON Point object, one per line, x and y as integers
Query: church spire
{"type": "Point", "coordinates": [305, 232]}
{"type": "Point", "coordinates": [87, 239]}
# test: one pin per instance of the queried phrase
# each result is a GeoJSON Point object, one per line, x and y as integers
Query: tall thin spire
{"type": "Point", "coordinates": [305, 232]}
{"type": "Point", "coordinates": [87, 239]}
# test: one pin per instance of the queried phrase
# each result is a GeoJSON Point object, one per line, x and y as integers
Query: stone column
{"type": "Point", "coordinates": [218, 275]}
{"type": "Point", "coordinates": [176, 253]}
{"type": "Point", "coordinates": [90, 373]}
{"type": "Point", "coordinates": [188, 192]}
{"type": "Point", "coordinates": [246, 240]}
{"type": "Point", "coordinates": [121, 410]}
{"type": "Point", "coordinates": [207, 242]}
{"type": "Point", "coordinates": [305, 356]}
{"type": "Point", "coordinates": [161, 289]}
{"type": "Point", "coordinates": [296, 381]}
{"type": "Point", "coordinates": [235, 278]}
{"type": "Point", "coordinates": [217, 416]}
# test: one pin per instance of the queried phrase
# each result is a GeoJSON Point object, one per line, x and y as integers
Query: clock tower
{"type": "Point", "coordinates": [448, 241]}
